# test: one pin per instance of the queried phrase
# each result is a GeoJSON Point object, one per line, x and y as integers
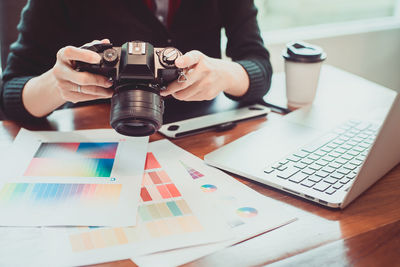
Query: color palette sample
{"type": "Point", "coordinates": [163, 213]}
{"type": "Point", "coordinates": [158, 186]}
{"type": "Point", "coordinates": [73, 160]}
{"type": "Point", "coordinates": [109, 237]}
{"type": "Point", "coordinates": [208, 188]}
{"type": "Point", "coordinates": [247, 212]}
{"type": "Point", "coordinates": [51, 193]}
{"type": "Point", "coordinates": [164, 210]}
{"type": "Point", "coordinates": [151, 162]}
{"type": "Point", "coordinates": [193, 173]}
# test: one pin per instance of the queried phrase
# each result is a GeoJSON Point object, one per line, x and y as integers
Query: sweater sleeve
{"type": "Point", "coordinates": [246, 47]}
{"type": "Point", "coordinates": [42, 32]}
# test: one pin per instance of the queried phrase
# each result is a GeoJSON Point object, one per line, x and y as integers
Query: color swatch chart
{"type": "Point", "coordinates": [192, 172]}
{"type": "Point", "coordinates": [163, 213]}
{"type": "Point", "coordinates": [28, 194]}
{"type": "Point", "coordinates": [73, 160]}
{"type": "Point", "coordinates": [158, 186]}
{"type": "Point", "coordinates": [109, 237]}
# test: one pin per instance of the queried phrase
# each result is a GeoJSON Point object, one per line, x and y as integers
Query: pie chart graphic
{"type": "Point", "coordinates": [208, 188]}
{"type": "Point", "coordinates": [247, 212]}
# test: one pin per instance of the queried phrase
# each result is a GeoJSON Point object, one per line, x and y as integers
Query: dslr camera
{"type": "Point", "coordinates": [139, 72]}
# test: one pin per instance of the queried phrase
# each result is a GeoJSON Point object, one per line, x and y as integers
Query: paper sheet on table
{"type": "Point", "coordinates": [89, 177]}
{"type": "Point", "coordinates": [246, 212]}
{"type": "Point", "coordinates": [21, 247]}
{"type": "Point", "coordinates": [173, 213]}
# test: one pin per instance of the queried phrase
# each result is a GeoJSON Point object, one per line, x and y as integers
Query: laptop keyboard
{"type": "Point", "coordinates": [330, 162]}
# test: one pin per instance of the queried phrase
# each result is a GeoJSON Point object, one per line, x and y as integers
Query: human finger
{"type": "Point", "coordinates": [192, 76]}
{"type": "Point", "coordinates": [76, 97]}
{"type": "Point", "coordinates": [189, 59]}
{"type": "Point", "coordinates": [88, 89]}
{"type": "Point", "coordinates": [71, 53]}
{"type": "Point", "coordinates": [188, 92]}
{"type": "Point", "coordinates": [65, 72]}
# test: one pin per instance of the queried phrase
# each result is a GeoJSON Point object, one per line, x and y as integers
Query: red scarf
{"type": "Point", "coordinates": [173, 7]}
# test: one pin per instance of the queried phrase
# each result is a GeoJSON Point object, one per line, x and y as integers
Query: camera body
{"type": "Point", "coordinates": [139, 72]}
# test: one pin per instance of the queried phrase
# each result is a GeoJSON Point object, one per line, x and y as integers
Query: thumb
{"type": "Point", "coordinates": [189, 59]}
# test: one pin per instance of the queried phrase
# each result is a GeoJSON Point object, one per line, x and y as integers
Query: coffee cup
{"type": "Point", "coordinates": [303, 63]}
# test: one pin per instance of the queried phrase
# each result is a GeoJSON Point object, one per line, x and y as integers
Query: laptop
{"type": "Point", "coordinates": [331, 167]}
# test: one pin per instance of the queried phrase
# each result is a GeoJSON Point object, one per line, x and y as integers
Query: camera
{"type": "Point", "coordinates": [139, 72]}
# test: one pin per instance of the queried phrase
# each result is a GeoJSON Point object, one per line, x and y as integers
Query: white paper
{"type": "Point", "coordinates": [71, 246]}
{"type": "Point", "coordinates": [24, 247]}
{"type": "Point", "coordinates": [227, 195]}
{"type": "Point", "coordinates": [173, 214]}
{"type": "Point", "coordinates": [89, 177]}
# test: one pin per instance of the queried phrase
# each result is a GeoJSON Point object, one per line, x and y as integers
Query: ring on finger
{"type": "Point", "coordinates": [79, 89]}
{"type": "Point", "coordinates": [183, 75]}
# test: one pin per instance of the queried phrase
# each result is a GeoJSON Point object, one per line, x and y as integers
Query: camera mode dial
{"type": "Point", "coordinates": [110, 57]}
{"type": "Point", "coordinates": [168, 56]}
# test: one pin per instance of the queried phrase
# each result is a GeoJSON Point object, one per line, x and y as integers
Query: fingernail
{"type": "Point", "coordinates": [108, 84]}
{"type": "Point", "coordinates": [163, 93]}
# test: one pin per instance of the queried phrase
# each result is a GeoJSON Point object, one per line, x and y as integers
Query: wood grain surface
{"type": "Point", "coordinates": [366, 233]}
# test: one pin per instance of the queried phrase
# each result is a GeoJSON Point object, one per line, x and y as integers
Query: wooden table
{"type": "Point", "coordinates": [366, 233]}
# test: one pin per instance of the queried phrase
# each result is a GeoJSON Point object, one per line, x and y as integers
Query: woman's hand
{"type": "Point", "coordinates": [43, 94]}
{"type": "Point", "coordinates": [77, 86]}
{"type": "Point", "coordinates": [207, 77]}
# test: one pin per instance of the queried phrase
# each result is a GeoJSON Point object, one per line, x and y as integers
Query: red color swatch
{"type": "Point", "coordinates": [144, 194]}
{"type": "Point", "coordinates": [173, 190]}
{"type": "Point", "coordinates": [151, 162]}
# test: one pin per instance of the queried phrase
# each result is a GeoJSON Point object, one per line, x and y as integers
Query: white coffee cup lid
{"type": "Point", "coordinates": [300, 51]}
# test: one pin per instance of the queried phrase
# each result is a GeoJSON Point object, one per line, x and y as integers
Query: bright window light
{"type": "Point", "coordinates": [281, 14]}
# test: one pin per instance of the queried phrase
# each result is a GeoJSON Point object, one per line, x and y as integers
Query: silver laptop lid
{"type": "Point", "coordinates": [383, 155]}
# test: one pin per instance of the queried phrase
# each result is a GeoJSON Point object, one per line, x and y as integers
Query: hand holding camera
{"type": "Point", "coordinates": [207, 77]}
{"type": "Point", "coordinates": [74, 86]}
{"type": "Point", "coordinates": [139, 72]}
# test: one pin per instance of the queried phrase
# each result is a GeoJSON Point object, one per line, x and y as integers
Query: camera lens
{"type": "Point", "coordinates": [136, 112]}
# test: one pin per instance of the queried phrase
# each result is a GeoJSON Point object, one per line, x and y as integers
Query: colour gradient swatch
{"type": "Point", "coordinates": [195, 174]}
{"type": "Point", "coordinates": [151, 162]}
{"type": "Point", "coordinates": [53, 194]}
{"type": "Point", "coordinates": [158, 186]}
{"type": "Point", "coordinates": [164, 210]}
{"type": "Point", "coordinates": [73, 160]}
{"type": "Point", "coordinates": [109, 237]}
{"type": "Point", "coordinates": [163, 213]}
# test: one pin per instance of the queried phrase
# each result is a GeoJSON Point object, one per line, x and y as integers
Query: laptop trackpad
{"type": "Point", "coordinates": [255, 151]}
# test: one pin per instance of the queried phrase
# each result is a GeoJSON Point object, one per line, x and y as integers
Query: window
{"type": "Point", "coordinates": [281, 14]}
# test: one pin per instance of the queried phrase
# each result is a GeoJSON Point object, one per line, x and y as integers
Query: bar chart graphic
{"type": "Point", "coordinates": [192, 172]}
{"type": "Point", "coordinates": [73, 160]}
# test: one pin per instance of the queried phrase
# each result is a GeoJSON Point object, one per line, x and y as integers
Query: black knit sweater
{"type": "Point", "coordinates": [48, 25]}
